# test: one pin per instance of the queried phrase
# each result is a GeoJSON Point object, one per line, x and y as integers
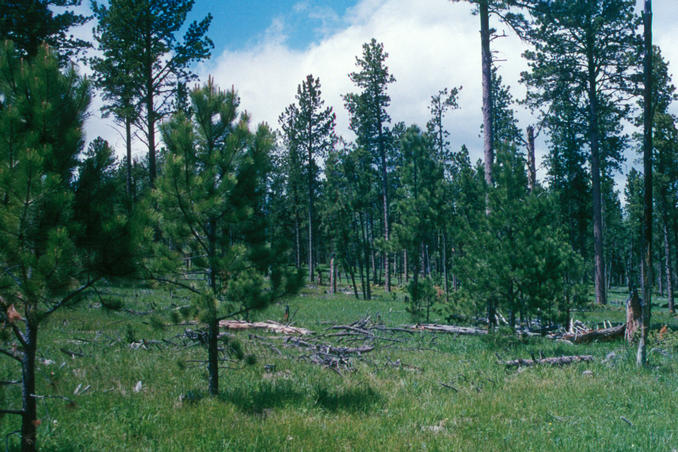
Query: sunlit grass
{"type": "Point", "coordinates": [289, 404]}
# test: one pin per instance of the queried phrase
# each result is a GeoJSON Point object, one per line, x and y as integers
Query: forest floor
{"type": "Point", "coordinates": [421, 391]}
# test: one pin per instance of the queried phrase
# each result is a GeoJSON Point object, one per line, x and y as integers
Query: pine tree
{"type": "Point", "coordinates": [648, 110]}
{"type": "Point", "coordinates": [516, 255]}
{"type": "Point", "coordinates": [211, 199]}
{"type": "Point", "coordinates": [444, 100]}
{"type": "Point", "coordinates": [583, 50]}
{"type": "Point", "coordinates": [51, 254]}
{"type": "Point", "coordinates": [369, 121]}
{"type": "Point", "coordinates": [144, 60]}
{"type": "Point", "coordinates": [309, 128]}
{"type": "Point", "coordinates": [30, 23]}
{"type": "Point", "coordinates": [420, 176]}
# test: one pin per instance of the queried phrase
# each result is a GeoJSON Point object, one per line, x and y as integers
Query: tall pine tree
{"type": "Point", "coordinates": [309, 128]}
{"type": "Point", "coordinates": [369, 121]}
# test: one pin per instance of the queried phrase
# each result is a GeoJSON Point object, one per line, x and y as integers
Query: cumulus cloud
{"type": "Point", "coordinates": [432, 44]}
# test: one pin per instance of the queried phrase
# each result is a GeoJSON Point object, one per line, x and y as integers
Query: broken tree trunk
{"type": "Point", "coordinates": [603, 334]}
{"type": "Point", "coordinates": [446, 329]}
{"type": "Point", "coordinates": [633, 313]}
{"type": "Point", "coordinates": [554, 361]}
{"type": "Point", "coordinates": [267, 325]}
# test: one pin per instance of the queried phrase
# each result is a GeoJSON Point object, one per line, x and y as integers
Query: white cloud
{"type": "Point", "coordinates": [432, 44]}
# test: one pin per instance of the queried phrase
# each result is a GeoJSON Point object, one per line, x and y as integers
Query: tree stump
{"type": "Point", "coordinates": [633, 313]}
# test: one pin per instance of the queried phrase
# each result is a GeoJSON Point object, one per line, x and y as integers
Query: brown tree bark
{"type": "Point", "coordinates": [599, 260]}
{"type": "Point", "coordinates": [668, 268]}
{"type": "Point", "coordinates": [445, 276]}
{"type": "Point", "coordinates": [309, 147]}
{"type": "Point", "coordinates": [486, 55]}
{"type": "Point", "coordinates": [128, 144]}
{"type": "Point", "coordinates": [150, 109]}
{"type": "Point", "coordinates": [633, 313]}
{"type": "Point", "coordinates": [531, 165]}
{"type": "Point", "coordinates": [641, 357]}
{"type": "Point", "coordinates": [333, 279]}
{"type": "Point", "coordinates": [29, 418]}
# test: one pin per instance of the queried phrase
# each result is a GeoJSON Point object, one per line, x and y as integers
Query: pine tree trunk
{"type": "Point", "coordinates": [213, 323]}
{"type": "Point", "coordinates": [366, 245]}
{"type": "Point", "coordinates": [29, 417]}
{"type": "Point", "coordinates": [150, 109]}
{"type": "Point", "coordinates": [445, 276]}
{"type": "Point", "coordinates": [488, 130]}
{"type": "Point", "coordinates": [599, 260]}
{"type": "Point", "coordinates": [641, 357]}
{"type": "Point", "coordinates": [297, 242]}
{"type": "Point", "coordinates": [633, 313]}
{"type": "Point", "coordinates": [333, 281]}
{"type": "Point", "coordinates": [531, 165]}
{"type": "Point", "coordinates": [310, 210]}
{"type": "Point", "coordinates": [486, 55]}
{"type": "Point", "coordinates": [213, 354]}
{"type": "Point", "coordinates": [668, 268]}
{"type": "Point", "coordinates": [384, 178]}
{"type": "Point", "coordinates": [355, 287]}
{"type": "Point", "coordinates": [370, 236]}
{"type": "Point", "coordinates": [128, 144]}
{"type": "Point", "coordinates": [407, 276]}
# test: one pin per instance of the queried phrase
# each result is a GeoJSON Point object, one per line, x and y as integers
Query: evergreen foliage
{"type": "Point", "coordinates": [32, 23]}
{"type": "Point", "coordinates": [61, 233]}
{"type": "Point", "coordinates": [143, 59]}
{"type": "Point", "coordinates": [210, 201]}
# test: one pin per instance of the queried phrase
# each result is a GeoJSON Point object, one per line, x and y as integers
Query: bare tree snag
{"type": "Point", "coordinates": [633, 314]}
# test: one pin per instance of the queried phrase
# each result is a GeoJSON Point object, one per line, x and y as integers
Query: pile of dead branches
{"type": "Point", "coordinates": [579, 333]}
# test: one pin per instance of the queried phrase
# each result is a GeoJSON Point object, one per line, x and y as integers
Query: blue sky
{"type": "Point", "coordinates": [241, 24]}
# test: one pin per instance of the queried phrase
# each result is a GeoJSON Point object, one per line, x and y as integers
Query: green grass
{"type": "Point", "coordinates": [289, 404]}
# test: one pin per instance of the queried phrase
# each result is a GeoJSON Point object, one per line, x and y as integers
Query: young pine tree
{"type": "Point", "coordinates": [210, 211]}
{"type": "Point", "coordinates": [51, 253]}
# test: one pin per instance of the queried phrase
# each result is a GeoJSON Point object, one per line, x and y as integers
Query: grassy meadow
{"type": "Point", "coordinates": [420, 391]}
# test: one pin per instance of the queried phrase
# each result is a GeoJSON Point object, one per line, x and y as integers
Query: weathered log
{"type": "Point", "coordinates": [554, 361]}
{"type": "Point", "coordinates": [267, 325]}
{"type": "Point", "coordinates": [604, 334]}
{"type": "Point", "coordinates": [451, 329]}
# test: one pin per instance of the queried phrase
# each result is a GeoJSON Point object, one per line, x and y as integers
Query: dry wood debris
{"type": "Point", "coordinates": [451, 329]}
{"type": "Point", "coordinates": [580, 334]}
{"type": "Point", "coordinates": [268, 325]}
{"type": "Point", "coordinates": [553, 361]}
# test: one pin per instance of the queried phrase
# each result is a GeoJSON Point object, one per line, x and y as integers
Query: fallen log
{"type": "Point", "coordinates": [451, 329]}
{"type": "Point", "coordinates": [268, 325]}
{"type": "Point", "coordinates": [554, 361]}
{"type": "Point", "coordinates": [604, 334]}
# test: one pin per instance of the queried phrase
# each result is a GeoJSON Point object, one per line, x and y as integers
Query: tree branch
{"type": "Point", "coordinates": [10, 354]}
{"type": "Point", "coordinates": [18, 334]}
{"type": "Point", "coordinates": [71, 296]}
{"type": "Point", "coordinates": [178, 284]}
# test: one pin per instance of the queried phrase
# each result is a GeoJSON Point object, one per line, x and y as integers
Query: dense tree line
{"type": "Point", "coordinates": [236, 216]}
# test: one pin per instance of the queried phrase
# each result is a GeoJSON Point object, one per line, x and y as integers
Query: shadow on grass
{"type": "Point", "coordinates": [355, 400]}
{"type": "Point", "coordinates": [265, 395]}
